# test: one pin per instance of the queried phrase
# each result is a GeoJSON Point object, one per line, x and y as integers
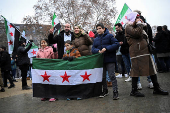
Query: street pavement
{"type": "Point", "coordinates": [16, 100]}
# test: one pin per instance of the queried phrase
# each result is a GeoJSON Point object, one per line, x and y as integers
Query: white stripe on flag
{"type": "Point", "coordinates": [10, 37]}
{"type": "Point", "coordinates": [75, 79]}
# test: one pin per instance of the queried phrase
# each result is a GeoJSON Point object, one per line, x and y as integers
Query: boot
{"type": "Point", "coordinates": [134, 91]}
{"type": "Point", "coordinates": [115, 95]}
{"type": "Point", "coordinates": [104, 93]}
{"type": "Point", "coordinates": [11, 86]}
{"type": "Point", "coordinates": [109, 84]}
{"type": "Point", "coordinates": [2, 90]}
{"type": "Point", "coordinates": [157, 89]}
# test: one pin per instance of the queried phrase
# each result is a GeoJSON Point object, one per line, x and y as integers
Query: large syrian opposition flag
{"type": "Point", "coordinates": [58, 78]}
{"type": "Point", "coordinates": [13, 35]}
{"type": "Point", "coordinates": [33, 51]}
{"type": "Point", "coordinates": [55, 23]}
{"type": "Point", "coordinates": [123, 15]}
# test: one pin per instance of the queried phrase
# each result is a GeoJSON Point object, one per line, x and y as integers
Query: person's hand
{"type": "Point", "coordinates": [31, 40]}
{"type": "Point", "coordinates": [71, 58]}
{"type": "Point", "coordinates": [83, 32]}
{"type": "Point", "coordinates": [65, 58]}
{"type": "Point", "coordinates": [52, 30]}
{"type": "Point", "coordinates": [141, 20]}
{"type": "Point", "coordinates": [100, 52]}
{"type": "Point", "coordinates": [120, 43]}
{"type": "Point", "coordinates": [54, 49]}
{"type": "Point", "coordinates": [104, 49]}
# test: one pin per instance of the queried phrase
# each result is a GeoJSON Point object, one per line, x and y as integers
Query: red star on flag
{"type": "Point", "coordinates": [46, 77]}
{"type": "Point", "coordinates": [54, 23]}
{"type": "Point", "coordinates": [65, 77]}
{"type": "Point", "coordinates": [125, 17]}
{"type": "Point", "coordinates": [10, 25]}
{"type": "Point", "coordinates": [85, 76]}
{"type": "Point", "coordinates": [33, 52]}
{"type": "Point", "coordinates": [122, 23]}
{"type": "Point", "coordinates": [11, 34]}
{"type": "Point", "coordinates": [10, 42]}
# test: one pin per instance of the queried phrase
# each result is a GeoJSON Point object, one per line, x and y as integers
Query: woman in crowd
{"type": "Point", "coordinates": [162, 49]}
{"type": "Point", "coordinates": [142, 64]}
{"type": "Point", "coordinates": [82, 41]}
{"type": "Point", "coordinates": [49, 53]}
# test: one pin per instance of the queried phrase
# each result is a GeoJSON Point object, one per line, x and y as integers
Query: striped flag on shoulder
{"type": "Point", "coordinates": [58, 78]}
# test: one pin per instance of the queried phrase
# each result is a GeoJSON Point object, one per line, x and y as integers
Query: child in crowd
{"type": "Point", "coordinates": [49, 53]}
{"type": "Point", "coordinates": [13, 67]}
{"type": "Point", "coordinates": [71, 51]}
{"type": "Point", "coordinates": [106, 44]}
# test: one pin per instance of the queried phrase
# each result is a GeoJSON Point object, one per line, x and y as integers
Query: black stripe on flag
{"type": "Point", "coordinates": [56, 28]}
{"type": "Point", "coordinates": [67, 91]}
{"type": "Point", "coordinates": [16, 41]}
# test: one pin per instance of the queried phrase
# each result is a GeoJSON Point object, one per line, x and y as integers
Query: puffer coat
{"type": "Point", "coordinates": [107, 41]}
{"type": "Point", "coordinates": [142, 62]}
{"type": "Point", "coordinates": [83, 44]}
{"type": "Point", "coordinates": [47, 52]}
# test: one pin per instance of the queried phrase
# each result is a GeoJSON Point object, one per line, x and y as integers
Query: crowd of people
{"type": "Point", "coordinates": [125, 53]}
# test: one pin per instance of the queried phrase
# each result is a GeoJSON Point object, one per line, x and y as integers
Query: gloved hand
{"type": "Point", "coordinates": [31, 40]}
{"type": "Point", "coordinates": [65, 58]}
{"type": "Point", "coordinates": [30, 43]}
{"type": "Point", "coordinates": [71, 58]}
{"type": "Point", "coordinates": [54, 49]}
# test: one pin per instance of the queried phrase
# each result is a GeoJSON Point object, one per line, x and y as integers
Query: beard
{"type": "Point", "coordinates": [67, 32]}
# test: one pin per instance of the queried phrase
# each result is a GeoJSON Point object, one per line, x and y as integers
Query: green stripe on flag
{"type": "Point", "coordinates": [54, 16]}
{"type": "Point", "coordinates": [6, 26]}
{"type": "Point", "coordinates": [81, 63]}
{"type": "Point", "coordinates": [122, 13]}
{"type": "Point", "coordinates": [33, 46]}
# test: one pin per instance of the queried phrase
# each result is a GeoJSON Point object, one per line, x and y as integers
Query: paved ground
{"type": "Point", "coordinates": [16, 100]}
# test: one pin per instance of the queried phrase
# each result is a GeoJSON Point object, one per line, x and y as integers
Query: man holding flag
{"type": "Point", "coordinates": [23, 62]}
{"type": "Point", "coordinates": [63, 36]}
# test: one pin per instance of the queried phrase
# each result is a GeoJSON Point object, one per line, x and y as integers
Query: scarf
{"type": "Point", "coordinates": [79, 34]}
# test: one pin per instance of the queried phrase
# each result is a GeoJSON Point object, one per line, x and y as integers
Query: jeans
{"type": "Point", "coordinates": [121, 65]}
{"type": "Point", "coordinates": [13, 73]}
{"type": "Point", "coordinates": [127, 62]}
{"type": "Point", "coordinates": [107, 77]}
{"type": "Point", "coordinates": [148, 79]}
{"type": "Point", "coordinates": [110, 67]}
{"type": "Point", "coordinates": [165, 63]}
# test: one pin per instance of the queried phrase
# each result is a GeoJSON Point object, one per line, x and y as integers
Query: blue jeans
{"type": "Point", "coordinates": [121, 65]}
{"type": "Point", "coordinates": [13, 73]}
{"type": "Point", "coordinates": [107, 77]}
{"type": "Point", "coordinates": [148, 79]}
{"type": "Point", "coordinates": [127, 62]}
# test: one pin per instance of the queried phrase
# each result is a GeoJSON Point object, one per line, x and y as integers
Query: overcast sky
{"type": "Point", "coordinates": [156, 12]}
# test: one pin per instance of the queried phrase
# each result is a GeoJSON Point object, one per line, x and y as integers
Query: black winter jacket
{"type": "Point", "coordinates": [161, 42]}
{"type": "Point", "coordinates": [120, 36]}
{"type": "Point", "coordinates": [5, 61]}
{"type": "Point", "coordinates": [23, 55]}
{"type": "Point", "coordinates": [59, 39]}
